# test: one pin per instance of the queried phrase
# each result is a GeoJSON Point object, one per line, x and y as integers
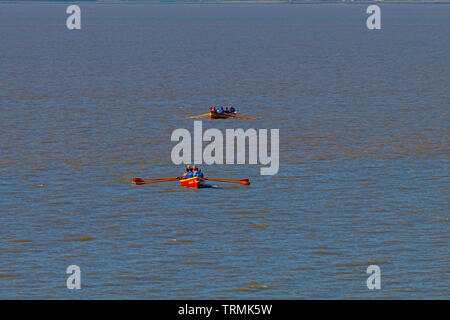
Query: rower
{"type": "Point", "coordinates": [188, 170]}
{"type": "Point", "coordinates": [226, 110]}
{"type": "Point", "coordinates": [189, 174]}
{"type": "Point", "coordinates": [197, 172]}
{"type": "Point", "coordinates": [232, 110]}
{"type": "Point", "coordinates": [221, 111]}
{"type": "Point", "coordinates": [194, 170]}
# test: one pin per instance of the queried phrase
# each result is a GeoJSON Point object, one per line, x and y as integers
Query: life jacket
{"type": "Point", "coordinates": [195, 174]}
{"type": "Point", "coordinates": [188, 175]}
{"type": "Point", "coordinates": [199, 174]}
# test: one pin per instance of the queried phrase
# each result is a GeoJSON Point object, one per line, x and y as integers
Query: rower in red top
{"type": "Point", "coordinates": [232, 109]}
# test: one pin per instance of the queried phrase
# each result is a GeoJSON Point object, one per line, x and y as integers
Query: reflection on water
{"type": "Point", "coordinates": [363, 119]}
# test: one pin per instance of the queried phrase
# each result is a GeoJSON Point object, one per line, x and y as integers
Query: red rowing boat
{"type": "Point", "coordinates": [194, 182]}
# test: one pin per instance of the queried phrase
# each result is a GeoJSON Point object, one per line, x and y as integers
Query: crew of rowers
{"type": "Point", "coordinates": [192, 172]}
{"type": "Point", "coordinates": [213, 109]}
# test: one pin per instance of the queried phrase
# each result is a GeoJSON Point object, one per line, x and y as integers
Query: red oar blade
{"type": "Point", "coordinates": [139, 181]}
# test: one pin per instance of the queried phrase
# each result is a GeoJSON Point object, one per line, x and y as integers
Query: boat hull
{"type": "Point", "coordinates": [194, 182]}
{"type": "Point", "coordinates": [214, 115]}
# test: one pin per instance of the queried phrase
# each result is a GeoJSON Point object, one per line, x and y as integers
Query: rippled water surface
{"type": "Point", "coordinates": [364, 151]}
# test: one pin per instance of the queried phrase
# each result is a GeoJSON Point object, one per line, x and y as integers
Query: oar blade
{"type": "Point", "coordinates": [139, 182]}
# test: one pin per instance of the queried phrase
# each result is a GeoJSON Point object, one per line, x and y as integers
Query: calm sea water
{"type": "Point", "coordinates": [364, 151]}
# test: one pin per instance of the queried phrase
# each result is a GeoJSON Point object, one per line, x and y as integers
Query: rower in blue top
{"type": "Point", "coordinates": [197, 172]}
{"type": "Point", "coordinates": [188, 173]}
{"type": "Point", "coordinates": [192, 172]}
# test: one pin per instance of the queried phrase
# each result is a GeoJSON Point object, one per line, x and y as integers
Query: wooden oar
{"type": "Point", "coordinates": [154, 179]}
{"type": "Point", "coordinates": [199, 116]}
{"type": "Point", "coordinates": [140, 181]}
{"type": "Point", "coordinates": [243, 117]}
{"type": "Point", "coordinates": [241, 181]}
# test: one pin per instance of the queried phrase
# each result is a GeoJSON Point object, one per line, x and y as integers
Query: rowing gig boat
{"type": "Point", "coordinates": [194, 182]}
{"type": "Point", "coordinates": [214, 115]}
